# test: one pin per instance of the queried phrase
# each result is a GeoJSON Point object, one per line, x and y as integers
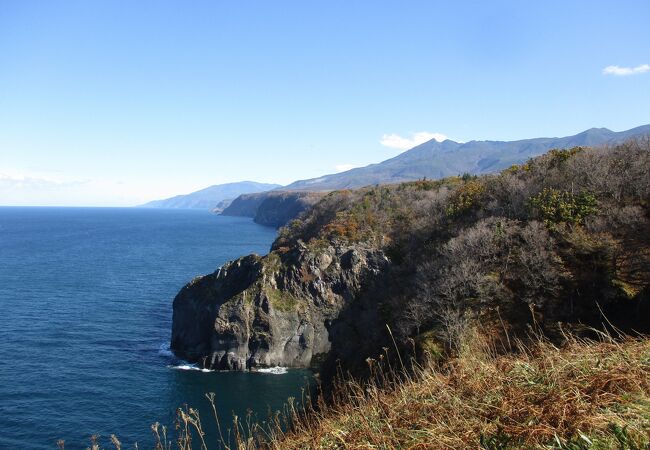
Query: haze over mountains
{"type": "Point", "coordinates": [212, 196]}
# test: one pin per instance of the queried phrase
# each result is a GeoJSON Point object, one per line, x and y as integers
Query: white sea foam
{"type": "Point", "coordinates": [185, 367]}
{"type": "Point", "coordinates": [188, 366]}
{"type": "Point", "coordinates": [277, 370]}
{"type": "Point", "coordinates": [164, 350]}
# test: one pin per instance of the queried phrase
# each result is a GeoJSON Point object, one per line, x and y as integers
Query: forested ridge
{"type": "Point", "coordinates": [563, 238]}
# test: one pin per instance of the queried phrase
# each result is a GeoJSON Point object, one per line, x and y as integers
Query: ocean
{"type": "Point", "coordinates": [85, 318]}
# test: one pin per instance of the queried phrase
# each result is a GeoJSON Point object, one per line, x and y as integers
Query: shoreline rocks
{"type": "Point", "coordinates": [276, 310]}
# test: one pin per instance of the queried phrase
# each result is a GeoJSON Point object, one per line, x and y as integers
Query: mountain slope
{"type": "Point", "coordinates": [209, 197]}
{"type": "Point", "coordinates": [435, 159]}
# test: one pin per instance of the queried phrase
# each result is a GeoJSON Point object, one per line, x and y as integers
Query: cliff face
{"type": "Point", "coordinates": [284, 309]}
{"type": "Point", "coordinates": [273, 209]}
{"type": "Point", "coordinates": [279, 208]}
{"type": "Point", "coordinates": [245, 205]}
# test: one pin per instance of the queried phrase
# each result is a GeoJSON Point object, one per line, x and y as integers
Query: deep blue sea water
{"type": "Point", "coordinates": [85, 317]}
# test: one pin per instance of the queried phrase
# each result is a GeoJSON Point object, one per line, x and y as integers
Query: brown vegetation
{"type": "Point", "coordinates": [585, 395]}
{"type": "Point", "coordinates": [565, 234]}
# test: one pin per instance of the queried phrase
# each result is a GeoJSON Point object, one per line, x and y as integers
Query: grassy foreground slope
{"type": "Point", "coordinates": [585, 395]}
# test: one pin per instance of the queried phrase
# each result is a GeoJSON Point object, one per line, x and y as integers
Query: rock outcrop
{"type": "Point", "coordinates": [275, 208]}
{"type": "Point", "coordinates": [283, 309]}
{"type": "Point", "coordinates": [245, 205]}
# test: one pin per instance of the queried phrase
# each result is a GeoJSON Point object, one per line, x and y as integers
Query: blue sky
{"type": "Point", "coordinates": [120, 102]}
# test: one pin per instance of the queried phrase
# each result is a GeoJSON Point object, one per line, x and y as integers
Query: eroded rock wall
{"type": "Point", "coordinates": [276, 310]}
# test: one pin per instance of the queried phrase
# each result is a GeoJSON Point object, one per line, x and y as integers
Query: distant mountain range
{"type": "Point", "coordinates": [218, 196]}
{"type": "Point", "coordinates": [435, 159]}
{"type": "Point", "coordinates": [430, 160]}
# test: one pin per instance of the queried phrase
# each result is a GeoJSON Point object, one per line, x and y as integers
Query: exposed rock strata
{"type": "Point", "coordinates": [285, 309]}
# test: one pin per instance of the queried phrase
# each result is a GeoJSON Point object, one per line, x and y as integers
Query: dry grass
{"type": "Point", "coordinates": [584, 396]}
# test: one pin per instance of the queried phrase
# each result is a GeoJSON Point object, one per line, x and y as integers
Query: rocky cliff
{"type": "Point", "coordinates": [283, 309]}
{"type": "Point", "coordinates": [245, 205]}
{"type": "Point", "coordinates": [275, 208]}
{"type": "Point", "coordinates": [559, 243]}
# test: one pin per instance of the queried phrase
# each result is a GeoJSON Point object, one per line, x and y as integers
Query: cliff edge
{"type": "Point", "coordinates": [275, 208]}
{"type": "Point", "coordinates": [283, 309]}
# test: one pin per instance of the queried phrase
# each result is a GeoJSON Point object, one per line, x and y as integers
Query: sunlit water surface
{"type": "Point", "coordinates": [85, 317]}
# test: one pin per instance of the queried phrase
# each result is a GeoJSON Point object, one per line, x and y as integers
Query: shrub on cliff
{"type": "Point", "coordinates": [559, 238]}
{"type": "Point", "coordinates": [555, 206]}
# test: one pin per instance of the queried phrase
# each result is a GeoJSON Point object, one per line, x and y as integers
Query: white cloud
{"type": "Point", "coordinates": [22, 181]}
{"type": "Point", "coordinates": [344, 167]}
{"type": "Point", "coordinates": [405, 143]}
{"type": "Point", "coordinates": [623, 71]}
{"type": "Point", "coordinates": [27, 188]}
